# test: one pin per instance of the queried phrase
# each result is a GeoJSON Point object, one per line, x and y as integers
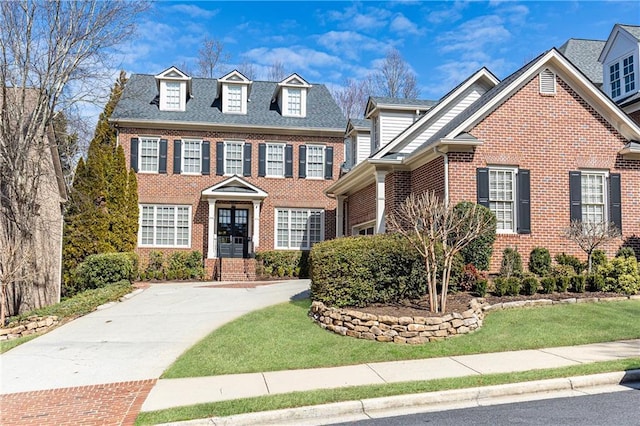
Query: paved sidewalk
{"type": "Point", "coordinates": [168, 393]}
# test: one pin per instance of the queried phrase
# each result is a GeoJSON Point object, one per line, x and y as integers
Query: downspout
{"type": "Point", "coordinates": [446, 172]}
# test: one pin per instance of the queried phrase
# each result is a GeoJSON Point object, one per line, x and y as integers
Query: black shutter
{"type": "Point", "coordinates": [524, 202]}
{"type": "Point", "coordinates": [328, 163]}
{"type": "Point", "coordinates": [262, 154]}
{"type": "Point", "coordinates": [162, 163]}
{"type": "Point", "coordinates": [206, 157]}
{"type": "Point", "coordinates": [575, 195]}
{"type": "Point", "coordinates": [133, 161]}
{"type": "Point", "coordinates": [246, 171]}
{"type": "Point", "coordinates": [177, 156]}
{"type": "Point", "coordinates": [615, 200]}
{"type": "Point", "coordinates": [288, 161]}
{"type": "Point", "coordinates": [482, 182]}
{"type": "Point", "coordinates": [219, 158]}
{"type": "Point", "coordinates": [302, 161]}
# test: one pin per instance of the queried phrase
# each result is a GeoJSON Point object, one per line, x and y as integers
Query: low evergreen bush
{"type": "Point", "coordinates": [478, 253]}
{"type": "Point", "coordinates": [501, 286]}
{"type": "Point", "coordinates": [563, 283]}
{"type": "Point", "coordinates": [511, 263]}
{"type": "Point", "coordinates": [514, 284]}
{"type": "Point", "coordinates": [530, 285]}
{"type": "Point", "coordinates": [358, 271]}
{"type": "Point", "coordinates": [595, 282]}
{"type": "Point", "coordinates": [578, 283]}
{"type": "Point", "coordinates": [540, 261]}
{"type": "Point", "coordinates": [100, 270]}
{"type": "Point", "coordinates": [548, 285]}
{"type": "Point", "coordinates": [278, 263]}
{"type": "Point", "coordinates": [626, 252]}
{"type": "Point", "coordinates": [179, 265]}
{"type": "Point", "coordinates": [566, 259]}
{"type": "Point", "coordinates": [470, 276]}
{"type": "Point", "coordinates": [620, 275]}
{"type": "Point", "coordinates": [598, 257]}
{"type": "Point", "coordinates": [480, 288]}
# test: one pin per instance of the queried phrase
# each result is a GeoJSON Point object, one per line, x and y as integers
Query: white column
{"type": "Point", "coordinates": [380, 199]}
{"type": "Point", "coordinates": [256, 225]}
{"type": "Point", "coordinates": [212, 253]}
{"type": "Point", "coordinates": [340, 215]}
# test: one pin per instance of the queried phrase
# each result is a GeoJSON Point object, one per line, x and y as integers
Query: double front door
{"type": "Point", "coordinates": [233, 232]}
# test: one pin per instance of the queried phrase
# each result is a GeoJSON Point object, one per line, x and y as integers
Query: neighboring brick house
{"type": "Point", "coordinates": [231, 166]}
{"type": "Point", "coordinates": [540, 148]}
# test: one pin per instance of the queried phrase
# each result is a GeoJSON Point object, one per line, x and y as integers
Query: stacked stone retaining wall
{"type": "Point", "coordinates": [31, 325]}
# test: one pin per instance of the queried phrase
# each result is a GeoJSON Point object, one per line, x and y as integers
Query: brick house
{"type": "Point", "coordinates": [231, 166]}
{"type": "Point", "coordinates": [539, 148]}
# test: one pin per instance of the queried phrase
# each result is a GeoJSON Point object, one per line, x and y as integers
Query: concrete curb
{"type": "Point", "coordinates": [415, 403]}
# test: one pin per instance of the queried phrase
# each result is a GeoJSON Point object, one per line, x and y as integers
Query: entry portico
{"type": "Point", "coordinates": [234, 214]}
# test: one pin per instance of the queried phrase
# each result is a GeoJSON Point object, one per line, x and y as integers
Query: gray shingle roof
{"type": "Point", "coordinates": [403, 101]}
{"type": "Point", "coordinates": [584, 55]}
{"type": "Point", "coordinates": [634, 30]}
{"type": "Point", "coordinates": [140, 102]}
{"type": "Point", "coordinates": [360, 122]}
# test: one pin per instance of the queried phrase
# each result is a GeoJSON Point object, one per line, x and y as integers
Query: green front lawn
{"type": "Point", "coordinates": [282, 337]}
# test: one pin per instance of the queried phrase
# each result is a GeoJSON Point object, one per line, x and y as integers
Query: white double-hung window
{"type": "Point", "coordinates": [275, 160]}
{"type": "Point", "coordinates": [299, 229]}
{"type": "Point", "coordinates": [502, 201]}
{"type": "Point", "coordinates": [191, 156]}
{"type": "Point", "coordinates": [594, 197]}
{"type": "Point", "coordinates": [165, 226]}
{"type": "Point", "coordinates": [233, 158]}
{"type": "Point", "coordinates": [149, 153]}
{"type": "Point", "coordinates": [234, 98]}
{"type": "Point", "coordinates": [315, 161]}
{"type": "Point", "coordinates": [294, 102]}
{"type": "Point", "coordinates": [172, 100]}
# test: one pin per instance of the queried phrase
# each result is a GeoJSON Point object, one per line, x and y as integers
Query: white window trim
{"type": "Point", "coordinates": [226, 144]}
{"type": "Point", "coordinates": [151, 172]}
{"type": "Point", "coordinates": [605, 174]}
{"type": "Point", "coordinates": [243, 98]}
{"type": "Point", "coordinates": [289, 209]}
{"type": "Point", "coordinates": [620, 62]}
{"type": "Point", "coordinates": [355, 230]}
{"type": "Point", "coordinates": [182, 149]}
{"type": "Point", "coordinates": [324, 159]}
{"type": "Point", "coordinates": [175, 206]}
{"type": "Point", "coordinates": [163, 95]}
{"type": "Point", "coordinates": [266, 160]}
{"type": "Point", "coordinates": [514, 170]}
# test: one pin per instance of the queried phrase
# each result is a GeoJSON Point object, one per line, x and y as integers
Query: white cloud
{"type": "Point", "coordinates": [402, 25]}
{"type": "Point", "coordinates": [353, 18]}
{"type": "Point", "coordinates": [193, 11]}
{"type": "Point", "coordinates": [455, 72]}
{"type": "Point", "coordinates": [440, 16]}
{"type": "Point", "coordinates": [474, 35]}
{"type": "Point", "coordinates": [351, 44]}
{"type": "Point", "coordinates": [300, 59]}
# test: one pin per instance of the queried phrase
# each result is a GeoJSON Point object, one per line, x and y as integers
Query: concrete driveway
{"type": "Point", "coordinates": [133, 340]}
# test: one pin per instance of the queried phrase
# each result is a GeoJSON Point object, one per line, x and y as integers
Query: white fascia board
{"type": "Point", "coordinates": [617, 30]}
{"type": "Point", "coordinates": [433, 112]}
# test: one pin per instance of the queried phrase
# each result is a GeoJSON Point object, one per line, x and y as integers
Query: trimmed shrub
{"type": "Point", "coordinates": [578, 283]}
{"type": "Point", "coordinates": [180, 265]}
{"type": "Point", "coordinates": [626, 252]}
{"type": "Point", "coordinates": [598, 257]}
{"type": "Point", "coordinates": [548, 285]}
{"type": "Point", "coordinates": [595, 282]}
{"type": "Point", "coordinates": [530, 285]}
{"type": "Point", "coordinates": [479, 251]}
{"type": "Point", "coordinates": [501, 286]}
{"type": "Point", "coordinates": [480, 289]}
{"type": "Point", "coordinates": [540, 261]}
{"type": "Point", "coordinates": [357, 271]}
{"type": "Point", "coordinates": [569, 260]}
{"type": "Point", "coordinates": [511, 263]}
{"type": "Point", "coordinates": [563, 283]}
{"type": "Point", "coordinates": [514, 284]}
{"type": "Point", "coordinates": [278, 263]}
{"type": "Point", "coordinates": [620, 275]}
{"type": "Point", "coordinates": [100, 270]}
{"type": "Point", "coordinates": [155, 266]}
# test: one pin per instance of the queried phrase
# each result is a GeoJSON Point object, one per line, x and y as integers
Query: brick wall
{"type": "Point", "coordinates": [361, 207]}
{"type": "Point", "coordinates": [397, 187]}
{"type": "Point", "coordinates": [282, 192]}
{"type": "Point", "coordinates": [549, 135]}
{"type": "Point", "coordinates": [429, 177]}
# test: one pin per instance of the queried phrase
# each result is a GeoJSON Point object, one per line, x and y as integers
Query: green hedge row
{"type": "Point", "coordinates": [358, 271]}
{"type": "Point", "coordinates": [278, 263]}
{"type": "Point", "coordinates": [100, 270]}
{"type": "Point", "coordinates": [179, 265]}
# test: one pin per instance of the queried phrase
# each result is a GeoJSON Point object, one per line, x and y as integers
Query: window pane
{"type": "Point", "coordinates": [182, 232]}
{"type": "Point", "coordinates": [614, 78]}
{"type": "Point", "coordinates": [298, 228]}
{"type": "Point", "coordinates": [501, 198]}
{"type": "Point", "coordinates": [315, 161]}
{"type": "Point", "coordinates": [629, 74]}
{"type": "Point", "coordinates": [315, 227]}
{"type": "Point", "coordinates": [146, 225]}
{"type": "Point", "coordinates": [191, 156]}
{"type": "Point", "coordinates": [234, 103]}
{"type": "Point", "coordinates": [593, 197]}
{"type": "Point", "coordinates": [173, 95]}
{"type": "Point", "coordinates": [282, 233]}
{"type": "Point", "coordinates": [233, 158]}
{"type": "Point", "coordinates": [275, 160]}
{"type": "Point", "coordinates": [149, 150]}
{"type": "Point", "coordinates": [294, 103]}
{"type": "Point", "coordinates": [165, 226]}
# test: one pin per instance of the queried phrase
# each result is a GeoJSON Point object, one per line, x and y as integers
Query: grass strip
{"type": "Point", "coordinates": [283, 337]}
{"type": "Point", "coordinates": [78, 305]}
{"type": "Point", "coordinates": [326, 396]}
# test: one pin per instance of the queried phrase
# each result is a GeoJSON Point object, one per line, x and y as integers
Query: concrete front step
{"type": "Point", "coordinates": [231, 269]}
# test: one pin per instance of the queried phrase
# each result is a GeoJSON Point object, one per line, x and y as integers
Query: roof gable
{"type": "Point", "coordinates": [294, 80]}
{"type": "Point", "coordinates": [402, 104]}
{"type": "Point", "coordinates": [628, 32]}
{"type": "Point", "coordinates": [172, 73]}
{"type": "Point", "coordinates": [234, 76]}
{"type": "Point", "coordinates": [234, 187]}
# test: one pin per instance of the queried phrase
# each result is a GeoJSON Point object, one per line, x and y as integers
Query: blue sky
{"type": "Point", "coordinates": [329, 41]}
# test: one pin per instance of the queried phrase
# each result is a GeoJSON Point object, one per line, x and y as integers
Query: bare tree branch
{"type": "Point", "coordinates": [352, 97]}
{"type": "Point", "coordinates": [276, 71]}
{"type": "Point", "coordinates": [395, 79]}
{"type": "Point", "coordinates": [589, 236]}
{"type": "Point", "coordinates": [210, 56]}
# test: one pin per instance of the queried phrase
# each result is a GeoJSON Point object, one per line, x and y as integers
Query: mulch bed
{"type": "Point", "coordinates": [459, 302]}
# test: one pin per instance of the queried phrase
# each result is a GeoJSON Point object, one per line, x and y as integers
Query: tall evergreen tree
{"type": "Point", "coordinates": [100, 217]}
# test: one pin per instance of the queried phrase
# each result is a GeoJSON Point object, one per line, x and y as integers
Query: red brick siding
{"type": "Point", "coordinates": [361, 207]}
{"type": "Point", "coordinates": [397, 187]}
{"type": "Point", "coordinates": [282, 192]}
{"type": "Point", "coordinates": [429, 177]}
{"type": "Point", "coordinates": [549, 135]}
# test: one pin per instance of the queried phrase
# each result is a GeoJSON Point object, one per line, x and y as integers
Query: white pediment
{"type": "Point", "coordinates": [234, 76]}
{"type": "Point", "coordinates": [172, 73]}
{"type": "Point", "coordinates": [294, 80]}
{"type": "Point", "coordinates": [234, 188]}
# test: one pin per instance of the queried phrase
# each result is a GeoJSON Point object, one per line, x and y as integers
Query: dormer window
{"type": "Point", "coordinates": [234, 89]}
{"type": "Point", "coordinates": [174, 88]}
{"type": "Point", "coordinates": [291, 95]}
{"type": "Point", "coordinates": [622, 77]}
